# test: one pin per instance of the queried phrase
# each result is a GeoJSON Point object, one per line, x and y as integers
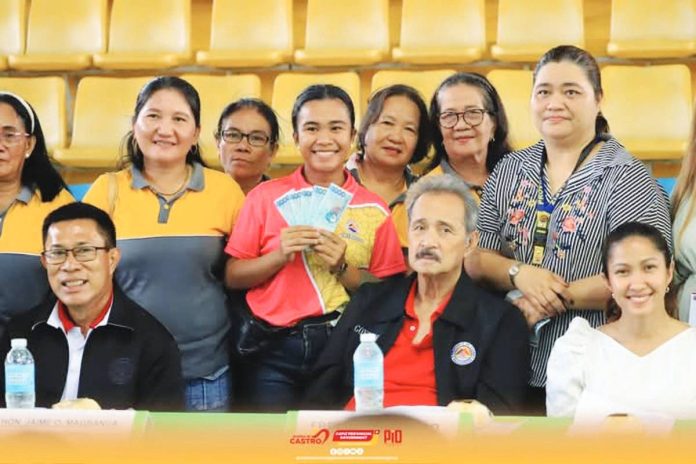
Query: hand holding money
{"type": "Point", "coordinates": [295, 239]}
{"type": "Point", "coordinates": [331, 249]}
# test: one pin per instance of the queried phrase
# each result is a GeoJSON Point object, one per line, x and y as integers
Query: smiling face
{"type": "Point", "coordinates": [437, 237]}
{"type": "Point", "coordinates": [241, 160]}
{"type": "Point", "coordinates": [392, 138]}
{"type": "Point", "coordinates": [324, 135]}
{"type": "Point", "coordinates": [165, 128]}
{"type": "Point", "coordinates": [14, 144]}
{"type": "Point", "coordinates": [564, 104]}
{"type": "Point", "coordinates": [84, 287]}
{"type": "Point", "coordinates": [638, 276]}
{"type": "Point", "coordinates": [463, 141]}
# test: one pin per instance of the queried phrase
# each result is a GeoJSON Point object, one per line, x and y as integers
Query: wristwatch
{"type": "Point", "coordinates": [341, 269]}
{"type": "Point", "coordinates": [512, 273]}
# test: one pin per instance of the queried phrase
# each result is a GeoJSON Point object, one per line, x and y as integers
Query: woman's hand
{"type": "Point", "coordinates": [295, 239]}
{"type": "Point", "coordinates": [331, 249]}
{"type": "Point", "coordinates": [544, 289]}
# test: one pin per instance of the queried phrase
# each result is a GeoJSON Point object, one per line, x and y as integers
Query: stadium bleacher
{"type": "Point", "coordinates": [54, 55]}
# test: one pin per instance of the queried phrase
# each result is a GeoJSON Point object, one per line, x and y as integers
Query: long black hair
{"type": "Point", "coordinates": [37, 172]}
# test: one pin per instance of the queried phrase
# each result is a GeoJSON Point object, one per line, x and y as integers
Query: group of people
{"type": "Point", "coordinates": [525, 279]}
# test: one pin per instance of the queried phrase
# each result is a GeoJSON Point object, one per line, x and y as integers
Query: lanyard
{"type": "Point", "coordinates": [544, 206]}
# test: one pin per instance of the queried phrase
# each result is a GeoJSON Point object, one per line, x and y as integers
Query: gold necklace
{"type": "Point", "coordinates": [178, 190]}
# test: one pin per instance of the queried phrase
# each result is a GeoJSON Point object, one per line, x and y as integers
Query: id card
{"type": "Point", "coordinates": [541, 231]}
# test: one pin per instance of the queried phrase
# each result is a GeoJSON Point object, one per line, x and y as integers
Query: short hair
{"type": "Point", "coordinates": [37, 172]}
{"type": "Point", "coordinates": [131, 152]}
{"type": "Point", "coordinates": [261, 107]}
{"type": "Point", "coordinates": [641, 230]}
{"type": "Point", "coordinates": [78, 210]}
{"type": "Point", "coordinates": [445, 183]}
{"type": "Point", "coordinates": [322, 92]}
{"type": "Point", "coordinates": [376, 106]}
{"type": "Point", "coordinates": [584, 60]}
{"type": "Point", "coordinates": [500, 145]}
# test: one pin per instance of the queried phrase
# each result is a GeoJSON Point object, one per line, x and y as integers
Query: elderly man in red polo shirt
{"type": "Point", "coordinates": [444, 338]}
{"type": "Point", "coordinates": [93, 342]}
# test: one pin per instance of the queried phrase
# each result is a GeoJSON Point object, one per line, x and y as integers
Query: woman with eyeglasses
{"type": "Point", "coordinates": [470, 129]}
{"type": "Point", "coordinates": [247, 140]}
{"type": "Point", "coordinates": [30, 188]}
{"type": "Point", "coordinates": [173, 215]}
{"type": "Point", "coordinates": [547, 209]}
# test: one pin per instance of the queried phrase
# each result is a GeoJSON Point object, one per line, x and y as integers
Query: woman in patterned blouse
{"type": "Point", "coordinates": [547, 209]}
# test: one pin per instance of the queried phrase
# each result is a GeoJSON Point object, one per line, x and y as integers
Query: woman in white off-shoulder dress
{"type": "Point", "coordinates": [643, 362]}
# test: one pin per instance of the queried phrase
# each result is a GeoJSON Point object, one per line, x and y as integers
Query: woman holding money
{"type": "Point", "coordinates": [300, 244]}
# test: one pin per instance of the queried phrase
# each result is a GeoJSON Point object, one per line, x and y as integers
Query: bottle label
{"type": "Point", "coordinates": [19, 378]}
{"type": "Point", "coordinates": [369, 375]}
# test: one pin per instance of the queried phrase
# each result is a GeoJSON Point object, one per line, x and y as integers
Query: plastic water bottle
{"type": "Point", "coordinates": [368, 375]}
{"type": "Point", "coordinates": [19, 376]}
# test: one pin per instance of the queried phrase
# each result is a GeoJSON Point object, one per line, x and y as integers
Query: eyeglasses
{"type": "Point", "coordinates": [472, 117]}
{"type": "Point", "coordinates": [81, 253]}
{"type": "Point", "coordinates": [12, 138]}
{"type": "Point", "coordinates": [255, 138]}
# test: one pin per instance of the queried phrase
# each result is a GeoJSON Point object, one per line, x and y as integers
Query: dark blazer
{"type": "Point", "coordinates": [497, 377]}
{"type": "Point", "coordinates": [131, 362]}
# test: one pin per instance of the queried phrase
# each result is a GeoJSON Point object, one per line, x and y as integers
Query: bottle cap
{"type": "Point", "coordinates": [19, 343]}
{"type": "Point", "coordinates": [368, 337]}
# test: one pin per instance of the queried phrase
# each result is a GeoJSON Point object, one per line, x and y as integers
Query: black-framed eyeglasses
{"type": "Point", "coordinates": [11, 138]}
{"type": "Point", "coordinates": [472, 117]}
{"type": "Point", "coordinates": [82, 253]}
{"type": "Point", "coordinates": [255, 138]}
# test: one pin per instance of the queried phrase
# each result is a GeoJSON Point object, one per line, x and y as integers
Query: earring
{"type": "Point", "coordinates": [27, 155]}
{"type": "Point", "coordinates": [667, 290]}
{"type": "Point", "coordinates": [493, 138]}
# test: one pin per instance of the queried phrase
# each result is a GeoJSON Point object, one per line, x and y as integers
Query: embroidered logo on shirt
{"type": "Point", "coordinates": [463, 353]}
{"type": "Point", "coordinates": [120, 371]}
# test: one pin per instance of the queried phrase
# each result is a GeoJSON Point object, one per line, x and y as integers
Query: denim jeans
{"type": "Point", "coordinates": [275, 379]}
{"type": "Point", "coordinates": [211, 393]}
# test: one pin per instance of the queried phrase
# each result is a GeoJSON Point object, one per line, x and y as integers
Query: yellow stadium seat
{"type": "Point", "coordinates": [424, 81]}
{"type": "Point", "coordinates": [651, 29]}
{"type": "Point", "coordinates": [101, 118]}
{"type": "Point", "coordinates": [515, 89]}
{"type": "Point", "coordinates": [216, 92]}
{"type": "Point", "coordinates": [287, 86]}
{"type": "Point", "coordinates": [12, 24]}
{"type": "Point", "coordinates": [649, 108]}
{"type": "Point", "coordinates": [249, 34]}
{"type": "Point", "coordinates": [527, 29]}
{"type": "Point", "coordinates": [345, 33]}
{"type": "Point", "coordinates": [441, 31]}
{"type": "Point", "coordinates": [47, 96]}
{"type": "Point", "coordinates": [63, 35]}
{"type": "Point", "coordinates": [148, 34]}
